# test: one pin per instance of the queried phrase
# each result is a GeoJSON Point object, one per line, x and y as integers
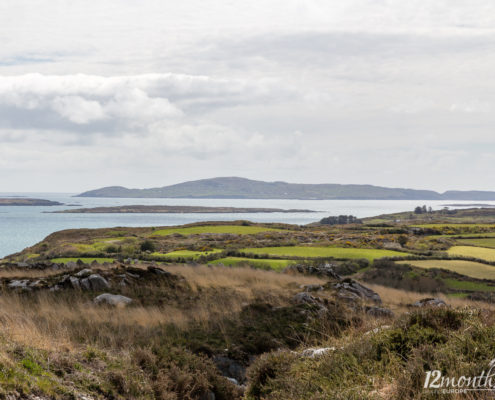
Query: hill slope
{"type": "Point", "coordinates": [241, 188]}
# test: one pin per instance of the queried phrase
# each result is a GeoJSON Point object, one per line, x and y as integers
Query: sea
{"type": "Point", "coordinates": [24, 226]}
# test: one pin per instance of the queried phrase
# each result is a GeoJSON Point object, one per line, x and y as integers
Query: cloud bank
{"type": "Point", "coordinates": [148, 94]}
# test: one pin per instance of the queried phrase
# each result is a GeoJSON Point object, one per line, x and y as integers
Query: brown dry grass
{"type": "Point", "coordinates": [52, 321]}
{"type": "Point", "coordinates": [398, 299]}
{"type": "Point", "coordinates": [27, 273]}
{"type": "Point", "coordinates": [242, 278]}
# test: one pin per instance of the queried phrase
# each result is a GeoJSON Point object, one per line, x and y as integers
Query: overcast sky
{"type": "Point", "coordinates": [151, 92]}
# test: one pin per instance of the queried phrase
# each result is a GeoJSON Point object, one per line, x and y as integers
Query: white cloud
{"type": "Point", "coordinates": [365, 91]}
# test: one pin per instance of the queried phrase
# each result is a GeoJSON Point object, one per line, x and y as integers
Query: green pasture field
{"type": "Point", "coordinates": [185, 254]}
{"type": "Point", "coordinates": [215, 229]}
{"type": "Point", "coordinates": [315, 252]}
{"type": "Point", "coordinates": [467, 285]}
{"type": "Point", "coordinates": [86, 260]}
{"type": "Point", "coordinates": [456, 229]}
{"type": "Point", "coordinates": [276, 265]}
{"type": "Point", "coordinates": [467, 268]}
{"type": "Point", "coordinates": [482, 242]}
{"type": "Point", "coordinates": [482, 253]}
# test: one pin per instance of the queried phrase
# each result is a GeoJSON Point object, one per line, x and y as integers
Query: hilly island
{"type": "Point", "coordinates": [242, 188]}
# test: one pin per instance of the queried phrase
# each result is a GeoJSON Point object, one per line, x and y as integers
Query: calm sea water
{"type": "Point", "coordinates": [21, 227]}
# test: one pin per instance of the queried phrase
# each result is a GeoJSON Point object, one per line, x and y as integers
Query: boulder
{"type": "Point", "coordinates": [326, 270]}
{"type": "Point", "coordinates": [71, 265]}
{"type": "Point", "coordinates": [83, 273]}
{"type": "Point", "coordinates": [349, 287]}
{"type": "Point", "coordinates": [18, 284]}
{"type": "Point", "coordinates": [158, 271]}
{"type": "Point", "coordinates": [112, 300]}
{"type": "Point", "coordinates": [312, 288]}
{"type": "Point", "coordinates": [379, 312]}
{"type": "Point", "coordinates": [230, 368]}
{"type": "Point", "coordinates": [304, 298]}
{"type": "Point", "coordinates": [430, 302]}
{"type": "Point", "coordinates": [74, 282]}
{"type": "Point", "coordinates": [97, 282]}
{"type": "Point", "coordinates": [316, 352]}
{"type": "Point", "coordinates": [84, 283]}
{"type": "Point", "coordinates": [22, 265]}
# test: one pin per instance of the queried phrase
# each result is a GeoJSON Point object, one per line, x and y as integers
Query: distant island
{"type": "Point", "coordinates": [175, 210]}
{"type": "Point", "coordinates": [242, 188]}
{"type": "Point", "coordinates": [18, 201]}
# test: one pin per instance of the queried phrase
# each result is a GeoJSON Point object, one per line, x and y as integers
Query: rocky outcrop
{"type": "Point", "coordinates": [326, 270]}
{"type": "Point", "coordinates": [349, 289]}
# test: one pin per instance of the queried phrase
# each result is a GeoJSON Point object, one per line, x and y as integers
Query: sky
{"type": "Point", "coordinates": [149, 93]}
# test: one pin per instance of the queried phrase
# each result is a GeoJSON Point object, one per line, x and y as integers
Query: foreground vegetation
{"type": "Point", "coordinates": [240, 310]}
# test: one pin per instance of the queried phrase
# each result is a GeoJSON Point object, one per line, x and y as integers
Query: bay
{"type": "Point", "coordinates": [21, 227]}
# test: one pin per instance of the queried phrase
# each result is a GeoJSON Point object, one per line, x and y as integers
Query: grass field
{"type": "Point", "coordinates": [482, 242]}
{"type": "Point", "coordinates": [458, 229]}
{"type": "Point", "coordinates": [314, 252]}
{"type": "Point", "coordinates": [255, 262]}
{"type": "Point", "coordinates": [218, 229]}
{"type": "Point", "coordinates": [471, 251]}
{"type": "Point", "coordinates": [457, 226]}
{"type": "Point", "coordinates": [471, 286]}
{"type": "Point", "coordinates": [468, 268]}
{"type": "Point", "coordinates": [185, 254]}
{"type": "Point", "coordinates": [86, 260]}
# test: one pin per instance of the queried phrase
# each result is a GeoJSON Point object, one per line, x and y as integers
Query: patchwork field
{"type": "Point", "coordinates": [186, 254]}
{"type": "Point", "coordinates": [468, 268]}
{"type": "Point", "coordinates": [471, 251]}
{"type": "Point", "coordinates": [215, 229]}
{"type": "Point", "coordinates": [482, 242]}
{"type": "Point", "coordinates": [315, 252]}
{"type": "Point", "coordinates": [264, 263]}
{"type": "Point", "coordinates": [86, 260]}
{"type": "Point", "coordinates": [456, 229]}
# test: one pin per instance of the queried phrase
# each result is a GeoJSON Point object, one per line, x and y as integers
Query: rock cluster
{"type": "Point", "coordinates": [326, 270]}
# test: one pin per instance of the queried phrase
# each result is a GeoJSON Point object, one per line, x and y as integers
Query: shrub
{"type": "Point", "coordinates": [147, 245]}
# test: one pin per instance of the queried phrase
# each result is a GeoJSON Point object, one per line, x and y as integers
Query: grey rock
{"type": "Point", "coordinates": [97, 282]}
{"type": "Point", "coordinates": [83, 273]}
{"type": "Point", "coordinates": [71, 265]}
{"type": "Point", "coordinates": [349, 287]}
{"type": "Point", "coordinates": [158, 271]}
{"type": "Point", "coordinates": [74, 282]}
{"type": "Point", "coordinates": [85, 284]}
{"type": "Point", "coordinates": [317, 352]}
{"type": "Point", "coordinates": [326, 270]}
{"type": "Point", "coordinates": [312, 288]}
{"type": "Point", "coordinates": [430, 302]}
{"type": "Point", "coordinates": [379, 312]}
{"type": "Point", "coordinates": [18, 284]}
{"type": "Point", "coordinates": [22, 265]}
{"type": "Point", "coordinates": [112, 299]}
{"type": "Point", "coordinates": [304, 298]}
{"type": "Point", "coordinates": [230, 368]}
